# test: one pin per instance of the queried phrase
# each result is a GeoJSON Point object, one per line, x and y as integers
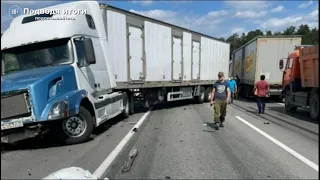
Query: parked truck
{"type": "Point", "coordinates": [261, 56]}
{"type": "Point", "coordinates": [300, 80]}
{"type": "Point", "coordinates": [76, 71]}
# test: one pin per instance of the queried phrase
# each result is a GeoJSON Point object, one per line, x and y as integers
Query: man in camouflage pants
{"type": "Point", "coordinates": [219, 99]}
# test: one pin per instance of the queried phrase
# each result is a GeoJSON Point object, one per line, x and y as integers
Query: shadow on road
{"type": "Point", "coordinates": [272, 118]}
{"type": "Point", "coordinates": [299, 114]}
{"type": "Point", "coordinates": [50, 140]}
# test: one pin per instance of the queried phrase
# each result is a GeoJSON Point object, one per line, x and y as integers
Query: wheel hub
{"type": "Point", "coordinates": [74, 126]}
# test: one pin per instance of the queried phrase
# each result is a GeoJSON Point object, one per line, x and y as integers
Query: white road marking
{"type": "Point", "coordinates": [107, 162]}
{"type": "Point", "coordinates": [286, 148]}
{"type": "Point", "coordinates": [282, 104]}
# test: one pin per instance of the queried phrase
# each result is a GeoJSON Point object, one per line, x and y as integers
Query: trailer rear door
{"type": "Point", "coordinates": [177, 58]}
{"type": "Point", "coordinates": [195, 60]}
{"type": "Point", "coordinates": [135, 53]}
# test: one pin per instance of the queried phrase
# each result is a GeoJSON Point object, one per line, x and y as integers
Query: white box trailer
{"type": "Point", "coordinates": [261, 56]}
{"type": "Point", "coordinates": [147, 53]}
{"type": "Point", "coordinates": [91, 67]}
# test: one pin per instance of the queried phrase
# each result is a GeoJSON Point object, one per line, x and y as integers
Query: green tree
{"type": "Point", "coordinates": [268, 33]}
{"type": "Point", "coordinates": [289, 31]}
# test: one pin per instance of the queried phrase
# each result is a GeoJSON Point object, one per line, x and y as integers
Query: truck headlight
{"type": "Point", "coordinates": [59, 110]}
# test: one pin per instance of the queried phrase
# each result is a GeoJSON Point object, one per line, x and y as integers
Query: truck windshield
{"type": "Point", "coordinates": [49, 53]}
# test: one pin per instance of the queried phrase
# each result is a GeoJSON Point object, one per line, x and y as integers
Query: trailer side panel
{"type": "Point", "coordinates": [270, 51]}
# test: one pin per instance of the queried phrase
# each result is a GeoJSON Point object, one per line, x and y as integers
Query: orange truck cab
{"type": "Point", "coordinates": [300, 79]}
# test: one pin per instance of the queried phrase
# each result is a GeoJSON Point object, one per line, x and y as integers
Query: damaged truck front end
{"type": "Point", "coordinates": [17, 117]}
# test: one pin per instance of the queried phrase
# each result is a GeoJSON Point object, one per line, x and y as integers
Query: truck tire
{"type": "Point", "coordinates": [77, 129]}
{"type": "Point", "coordinates": [208, 94]}
{"type": "Point", "coordinates": [287, 102]}
{"type": "Point", "coordinates": [131, 104]}
{"type": "Point", "coordinates": [314, 105]}
{"type": "Point", "coordinates": [201, 97]}
{"type": "Point", "coordinates": [126, 111]}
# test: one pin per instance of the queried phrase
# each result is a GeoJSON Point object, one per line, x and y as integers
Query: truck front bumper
{"type": "Point", "coordinates": [27, 131]}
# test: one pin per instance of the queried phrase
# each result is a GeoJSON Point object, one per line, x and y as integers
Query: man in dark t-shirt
{"type": "Point", "coordinates": [219, 99]}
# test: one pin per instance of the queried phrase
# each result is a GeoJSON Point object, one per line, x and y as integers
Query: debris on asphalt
{"type": "Point", "coordinates": [107, 134]}
{"type": "Point", "coordinates": [130, 122]}
{"type": "Point", "coordinates": [266, 123]}
{"type": "Point", "coordinates": [167, 177]}
{"type": "Point", "coordinates": [29, 172]}
{"type": "Point", "coordinates": [181, 141]}
{"type": "Point", "coordinates": [156, 128]}
{"type": "Point", "coordinates": [127, 165]}
{"type": "Point", "coordinates": [135, 130]}
{"type": "Point", "coordinates": [185, 108]}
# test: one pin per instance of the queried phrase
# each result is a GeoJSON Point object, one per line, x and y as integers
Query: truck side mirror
{"type": "Point", "coordinates": [281, 64]}
{"type": "Point", "coordinates": [89, 51]}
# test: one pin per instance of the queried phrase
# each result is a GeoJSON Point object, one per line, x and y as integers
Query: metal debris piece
{"type": "Point", "coordinates": [168, 177]}
{"type": "Point", "coordinates": [132, 122]}
{"type": "Point", "coordinates": [135, 130]}
{"type": "Point", "coordinates": [127, 165]}
{"type": "Point", "coordinates": [266, 123]}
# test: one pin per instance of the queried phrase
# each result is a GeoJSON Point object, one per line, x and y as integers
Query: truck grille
{"type": "Point", "coordinates": [15, 105]}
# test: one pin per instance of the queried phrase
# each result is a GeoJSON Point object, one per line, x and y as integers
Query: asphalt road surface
{"type": "Point", "coordinates": [177, 141]}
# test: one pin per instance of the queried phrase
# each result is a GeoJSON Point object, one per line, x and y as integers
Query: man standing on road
{"type": "Point", "coordinates": [237, 79]}
{"type": "Point", "coordinates": [219, 99]}
{"type": "Point", "coordinates": [233, 88]}
{"type": "Point", "coordinates": [261, 90]}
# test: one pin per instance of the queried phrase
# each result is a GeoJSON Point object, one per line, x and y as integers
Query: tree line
{"type": "Point", "coordinates": [309, 36]}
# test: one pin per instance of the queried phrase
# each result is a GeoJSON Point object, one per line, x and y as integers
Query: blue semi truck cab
{"type": "Point", "coordinates": [56, 77]}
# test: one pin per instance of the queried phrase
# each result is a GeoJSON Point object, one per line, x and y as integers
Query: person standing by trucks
{"type": "Point", "coordinates": [261, 90]}
{"type": "Point", "coordinates": [237, 79]}
{"type": "Point", "coordinates": [219, 99]}
{"type": "Point", "coordinates": [233, 88]}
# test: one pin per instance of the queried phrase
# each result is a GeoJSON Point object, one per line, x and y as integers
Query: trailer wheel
{"type": "Point", "coordinates": [77, 129]}
{"type": "Point", "coordinates": [287, 102]}
{"type": "Point", "coordinates": [131, 104]}
{"type": "Point", "coordinates": [126, 104]}
{"type": "Point", "coordinates": [314, 105]}
{"type": "Point", "coordinates": [201, 96]}
{"type": "Point", "coordinates": [208, 94]}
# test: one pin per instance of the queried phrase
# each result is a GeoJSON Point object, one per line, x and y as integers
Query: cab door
{"type": "Point", "coordinates": [287, 74]}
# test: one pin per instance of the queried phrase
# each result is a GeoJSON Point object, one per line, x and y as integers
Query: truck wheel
{"type": "Point", "coordinates": [78, 128]}
{"type": "Point", "coordinates": [126, 104]}
{"type": "Point", "coordinates": [201, 96]}
{"type": "Point", "coordinates": [287, 102]}
{"type": "Point", "coordinates": [314, 106]}
{"type": "Point", "coordinates": [131, 104]}
{"type": "Point", "coordinates": [208, 94]}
